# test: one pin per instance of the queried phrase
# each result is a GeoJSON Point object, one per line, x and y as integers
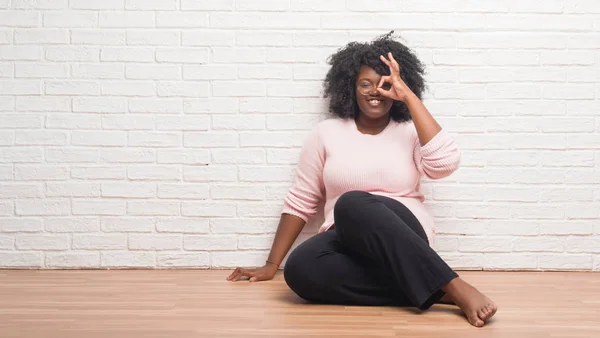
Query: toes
{"type": "Point", "coordinates": [474, 320]}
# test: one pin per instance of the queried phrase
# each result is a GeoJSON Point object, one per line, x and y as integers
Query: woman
{"type": "Point", "coordinates": [374, 246]}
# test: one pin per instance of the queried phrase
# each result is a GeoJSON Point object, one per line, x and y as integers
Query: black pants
{"type": "Point", "coordinates": [377, 254]}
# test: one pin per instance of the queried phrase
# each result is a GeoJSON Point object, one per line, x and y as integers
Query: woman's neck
{"type": "Point", "coordinates": [372, 126]}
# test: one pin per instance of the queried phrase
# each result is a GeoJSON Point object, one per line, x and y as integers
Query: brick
{"type": "Point", "coordinates": [128, 122]}
{"type": "Point", "coordinates": [151, 4]}
{"type": "Point", "coordinates": [194, 5]}
{"type": "Point", "coordinates": [99, 241]}
{"type": "Point", "coordinates": [237, 192]}
{"type": "Point", "coordinates": [263, 38]}
{"type": "Point", "coordinates": [127, 224]}
{"type": "Point", "coordinates": [583, 41]}
{"type": "Point", "coordinates": [92, 71]}
{"type": "Point", "coordinates": [43, 104]}
{"type": "Point", "coordinates": [128, 155]}
{"type": "Point", "coordinates": [70, 19]}
{"type": "Point", "coordinates": [40, 138]}
{"type": "Point", "coordinates": [266, 105]}
{"type": "Point", "coordinates": [21, 259]}
{"type": "Point", "coordinates": [295, 89]}
{"type": "Point", "coordinates": [153, 37]}
{"type": "Point", "coordinates": [211, 139]}
{"type": "Point", "coordinates": [20, 18]}
{"type": "Point", "coordinates": [583, 244]}
{"type": "Point", "coordinates": [95, 207]}
{"type": "Point", "coordinates": [154, 139]}
{"type": "Point", "coordinates": [259, 242]}
{"type": "Point", "coordinates": [16, 121]}
{"type": "Point", "coordinates": [20, 87]}
{"type": "Point", "coordinates": [456, 193]}
{"type": "Point", "coordinates": [182, 55]}
{"type": "Point", "coordinates": [73, 121]}
{"type": "Point", "coordinates": [20, 154]}
{"type": "Point", "coordinates": [74, 189]}
{"type": "Point", "coordinates": [7, 104]}
{"type": "Point", "coordinates": [127, 259]}
{"type": "Point", "coordinates": [244, 122]}
{"type": "Point", "coordinates": [182, 225]}
{"type": "Point", "coordinates": [92, 4]}
{"type": "Point", "coordinates": [319, 6]}
{"type": "Point", "coordinates": [20, 190]}
{"type": "Point", "coordinates": [222, 259]}
{"type": "Point", "coordinates": [511, 91]}
{"type": "Point", "coordinates": [296, 55]}
{"type": "Point", "coordinates": [237, 156]}
{"type": "Point", "coordinates": [37, 36]}
{"type": "Point", "coordinates": [283, 156]}
{"type": "Point", "coordinates": [232, 55]}
{"type": "Point", "coordinates": [530, 6]}
{"type": "Point", "coordinates": [71, 88]}
{"type": "Point", "coordinates": [180, 19]}
{"type": "Point", "coordinates": [154, 105]}
{"type": "Point", "coordinates": [197, 123]}
{"type": "Point", "coordinates": [459, 91]}
{"type": "Point", "coordinates": [210, 173]}
{"type": "Point", "coordinates": [100, 37]}
{"type": "Point", "coordinates": [209, 72]}
{"type": "Point", "coordinates": [7, 208]}
{"type": "Point", "coordinates": [20, 224]}
{"type": "Point", "coordinates": [537, 141]}
{"type": "Point", "coordinates": [99, 138]}
{"type": "Point", "coordinates": [539, 244]}
{"type": "Point", "coordinates": [129, 54]}
{"type": "Point", "coordinates": [485, 211]}
{"type": "Point", "coordinates": [208, 209]}
{"type": "Point", "coordinates": [509, 261]}
{"type": "Point", "coordinates": [208, 37]}
{"type": "Point", "coordinates": [582, 6]}
{"type": "Point", "coordinates": [210, 242]}
{"type": "Point", "coordinates": [245, 226]}
{"type": "Point", "coordinates": [512, 158]}
{"type": "Point", "coordinates": [511, 194]}
{"type": "Point", "coordinates": [566, 195]}
{"type": "Point", "coordinates": [459, 227]}
{"type": "Point", "coordinates": [400, 21]}
{"type": "Point", "coordinates": [183, 89]}
{"type": "Point", "coordinates": [181, 260]}
{"type": "Point", "coordinates": [129, 88]}
{"type": "Point", "coordinates": [79, 54]}
{"type": "Point", "coordinates": [572, 158]}
{"type": "Point", "coordinates": [569, 58]}
{"type": "Point", "coordinates": [73, 260]}
{"type": "Point", "coordinates": [271, 139]}
{"type": "Point", "coordinates": [128, 19]}
{"type": "Point", "coordinates": [154, 172]}
{"type": "Point", "coordinates": [565, 262]}
{"type": "Point", "coordinates": [155, 242]}
{"type": "Point", "coordinates": [183, 191]}
{"type": "Point", "coordinates": [152, 72]}
{"type": "Point", "coordinates": [292, 122]}
{"type": "Point", "coordinates": [583, 141]}
{"type": "Point", "coordinates": [266, 173]}
{"type": "Point", "coordinates": [170, 156]}
{"type": "Point", "coordinates": [129, 190]}
{"type": "Point", "coordinates": [7, 242]}
{"type": "Point", "coordinates": [43, 207]}
{"type": "Point", "coordinates": [470, 261]}
{"type": "Point", "coordinates": [446, 244]}
{"type": "Point", "coordinates": [99, 173]}
{"type": "Point", "coordinates": [513, 227]}
{"type": "Point", "coordinates": [72, 224]}
{"type": "Point", "coordinates": [259, 209]}
{"type": "Point", "coordinates": [538, 211]}
{"type": "Point", "coordinates": [41, 70]}
{"type": "Point", "coordinates": [40, 4]}
{"type": "Point", "coordinates": [262, 72]}
{"type": "Point", "coordinates": [211, 105]}
{"type": "Point", "coordinates": [6, 174]}
{"type": "Point", "coordinates": [41, 172]}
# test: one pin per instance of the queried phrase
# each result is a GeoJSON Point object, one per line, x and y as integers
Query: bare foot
{"type": "Point", "coordinates": [477, 307]}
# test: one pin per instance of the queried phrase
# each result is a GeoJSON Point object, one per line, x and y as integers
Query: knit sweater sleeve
{"type": "Point", "coordinates": [308, 189]}
{"type": "Point", "coordinates": [439, 158]}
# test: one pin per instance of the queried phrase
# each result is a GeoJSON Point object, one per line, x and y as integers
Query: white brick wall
{"type": "Point", "coordinates": [165, 133]}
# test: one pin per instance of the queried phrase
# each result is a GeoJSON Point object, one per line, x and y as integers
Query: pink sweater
{"type": "Point", "coordinates": [336, 158]}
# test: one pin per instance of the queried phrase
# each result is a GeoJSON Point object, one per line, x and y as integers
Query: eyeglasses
{"type": "Point", "coordinates": [365, 87]}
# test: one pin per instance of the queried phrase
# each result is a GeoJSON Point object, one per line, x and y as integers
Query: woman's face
{"type": "Point", "coordinates": [370, 102]}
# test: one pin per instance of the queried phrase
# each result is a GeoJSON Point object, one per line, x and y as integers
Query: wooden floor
{"type": "Point", "coordinates": [200, 303]}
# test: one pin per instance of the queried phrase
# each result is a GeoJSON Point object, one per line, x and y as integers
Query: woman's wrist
{"type": "Point", "coordinates": [270, 262]}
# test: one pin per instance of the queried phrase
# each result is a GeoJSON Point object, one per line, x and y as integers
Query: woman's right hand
{"type": "Point", "coordinates": [263, 273]}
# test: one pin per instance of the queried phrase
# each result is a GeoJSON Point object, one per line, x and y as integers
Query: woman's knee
{"type": "Point", "coordinates": [350, 202]}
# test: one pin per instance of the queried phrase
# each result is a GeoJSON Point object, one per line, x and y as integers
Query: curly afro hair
{"type": "Point", "coordinates": [340, 81]}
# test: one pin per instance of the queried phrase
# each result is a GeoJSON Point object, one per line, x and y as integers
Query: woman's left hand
{"type": "Point", "coordinates": [398, 91]}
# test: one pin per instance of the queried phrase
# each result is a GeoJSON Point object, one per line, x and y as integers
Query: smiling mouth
{"type": "Point", "coordinates": [374, 103]}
